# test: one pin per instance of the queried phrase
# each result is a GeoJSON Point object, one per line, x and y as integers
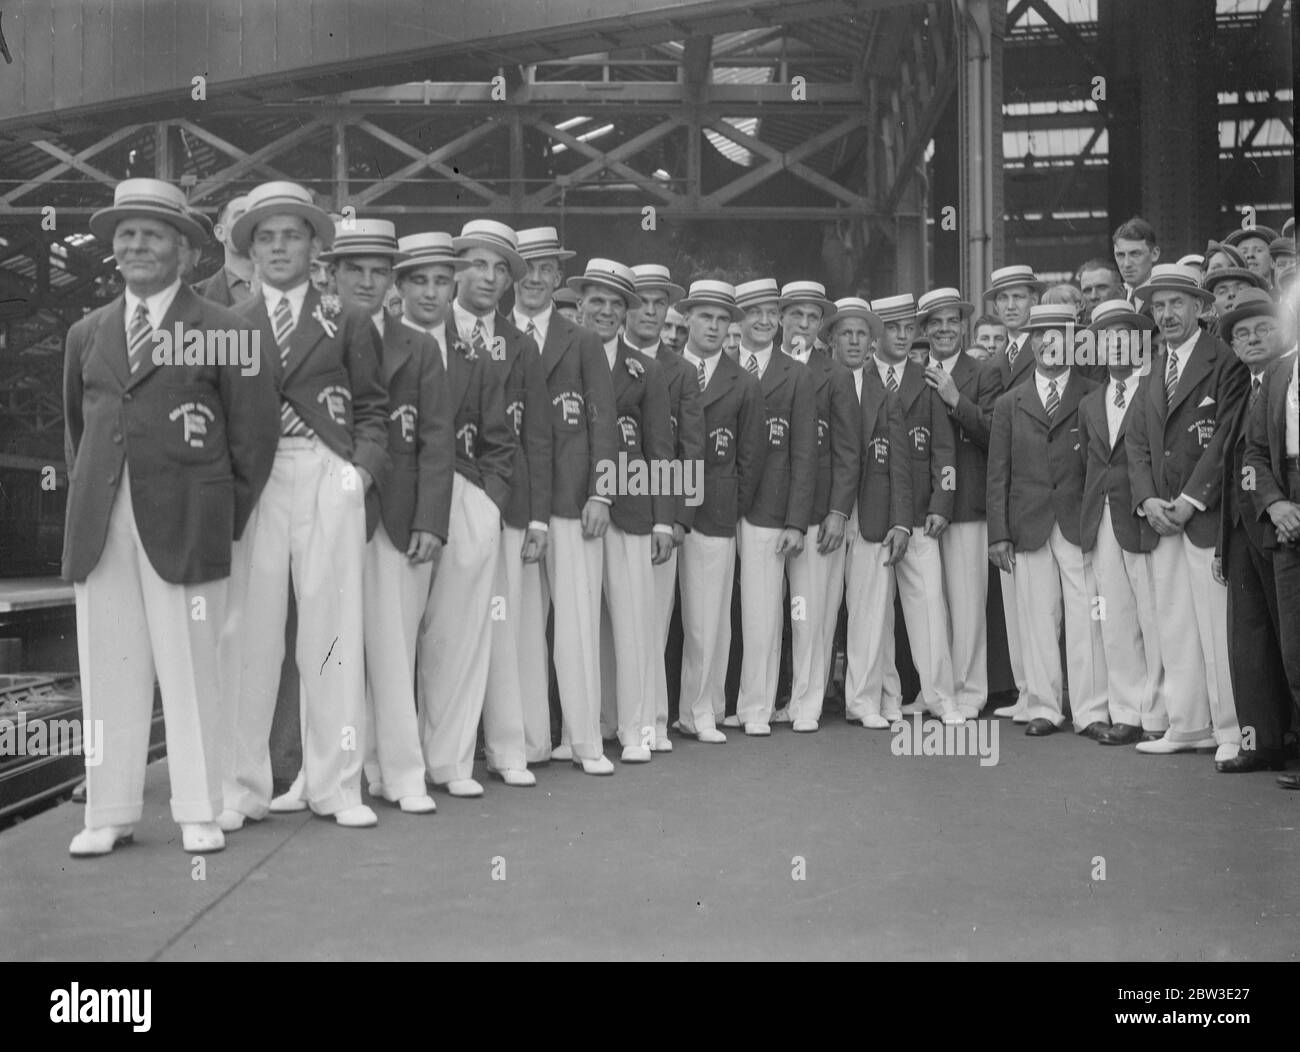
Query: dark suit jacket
{"type": "Point", "coordinates": [929, 446]}
{"type": "Point", "coordinates": [1180, 449]}
{"type": "Point", "coordinates": [199, 440]}
{"type": "Point", "coordinates": [1036, 468]}
{"type": "Point", "coordinates": [978, 387]}
{"type": "Point", "coordinates": [785, 489]}
{"type": "Point", "coordinates": [333, 381]}
{"type": "Point", "coordinates": [885, 479]}
{"type": "Point", "coordinates": [837, 437]}
{"type": "Point", "coordinates": [518, 369]}
{"type": "Point", "coordinates": [217, 289]}
{"type": "Point", "coordinates": [1023, 371]}
{"type": "Point", "coordinates": [1266, 445]}
{"type": "Point", "coordinates": [416, 494]}
{"type": "Point", "coordinates": [1106, 473]}
{"type": "Point", "coordinates": [687, 419]}
{"type": "Point", "coordinates": [487, 452]}
{"type": "Point", "coordinates": [1237, 504]}
{"type": "Point", "coordinates": [734, 447]}
{"type": "Point", "coordinates": [645, 434]}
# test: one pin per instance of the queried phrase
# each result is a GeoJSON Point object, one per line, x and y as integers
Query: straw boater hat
{"type": "Point", "coordinates": [488, 233]}
{"type": "Point", "coordinates": [1264, 233]}
{"type": "Point", "coordinates": [1231, 273]}
{"type": "Point", "coordinates": [363, 237]}
{"type": "Point", "coordinates": [610, 275]}
{"type": "Point", "coordinates": [428, 249]}
{"type": "Point", "coordinates": [1010, 277]}
{"type": "Point", "coordinates": [147, 199]}
{"type": "Point", "coordinates": [280, 198]}
{"type": "Point", "coordinates": [710, 294]}
{"type": "Point", "coordinates": [542, 242]}
{"type": "Point", "coordinates": [1251, 303]}
{"type": "Point", "coordinates": [813, 292]}
{"type": "Point", "coordinates": [753, 293]}
{"type": "Point", "coordinates": [1051, 316]}
{"type": "Point", "coordinates": [939, 299]}
{"type": "Point", "coordinates": [895, 308]}
{"type": "Point", "coordinates": [1192, 259]}
{"type": "Point", "coordinates": [1118, 312]}
{"type": "Point", "coordinates": [1171, 277]}
{"type": "Point", "coordinates": [853, 307]}
{"type": "Point", "coordinates": [652, 277]}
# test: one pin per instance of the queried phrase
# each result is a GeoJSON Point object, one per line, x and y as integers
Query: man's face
{"type": "Point", "coordinates": [1099, 286]}
{"type": "Point", "coordinates": [1218, 260]}
{"type": "Point", "coordinates": [601, 309]}
{"type": "Point", "coordinates": [1135, 260]}
{"type": "Point", "coordinates": [1254, 250]}
{"type": "Point", "coordinates": [1119, 348]}
{"type": "Point", "coordinates": [1012, 305]}
{"type": "Point", "coordinates": [1049, 346]}
{"type": "Point", "coordinates": [799, 325]}
{"type": "Point", "coordinates": [149, 253]}
{"type": "Point", "coordinates": [943, 327]}
{"type": "Point", "coordinates": [759, 326]}
{"type": "Point", "coordinates": [706, 328]}
{"type": "Point", "coordinates": [1257, 341]}
{"type": "Point", "coordinates": [898, 339]}
{"type": "Point", "coordinates": [322, 277]}
{"type": "Point", "coordinates": [1175, 314]}
{"type": "Point", "coordinates": [534, 292]}
{"type": "Point", "coordinates": [731, 342]}
{"type": "Point", "coordinates": [1283, 270]}
{"type": "Point", "coordinates": [647, 322]}
{"type": "Point", "coordinates": [991, 339]}
{"type": "Point", "coordinates": [224, 228]}
{"type": "Point", "coordinates": [1225, 293]}
{"type": "Point", "coordinates": [427, 293]}
{"type": "Point", "coordinates": [851, 342]}
{"type": "Point", "coordinates": [485, 281]}
{"type": "Point", "coordinates": [673, 334]}
{"type": "Point", "coordinates": [363, 281]}
{"type": "Point", "coordinates": [283, 248]}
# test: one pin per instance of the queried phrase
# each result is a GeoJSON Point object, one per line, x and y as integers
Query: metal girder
{"type": "Point", "coordinates": [72, 161]}
{"type": "Point", "coordinates": [429, 159]}
{"type": "Point", "coordinates": [608, 161]}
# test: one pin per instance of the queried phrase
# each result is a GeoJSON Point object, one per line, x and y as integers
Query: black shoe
{"type": "Point", "coordinates": [1095, 730]}
{"type": "Point", "coordinates": [1254, 760]}
{"type": "Point", "coordinates": [1121, 734]}
{"type": "Point", "coordinates": [1289, 781]}
{"type": "Point", "coordinates": [1040, 728]}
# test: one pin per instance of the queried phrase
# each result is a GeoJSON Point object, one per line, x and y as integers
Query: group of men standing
{"type": "Point", "coordinates": [431, 484]}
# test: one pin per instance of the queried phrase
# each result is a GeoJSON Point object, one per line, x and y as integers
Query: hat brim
{"type": "Point", "coordinates": [828, 308]}
{"type": "Point", "coordinates": [1146, 291]}
{"type": "Point", "coordinates": [967, 310]}
{"type": "Point", "coordinates": [675, 292]}
{"type": "Point", "coordinates": [103, 224]}
{"type": "Point", "coordinates": [560, 254]}
{"type": "Point", "coordinates": [518, 265]}
{"type": "Point", "coordinates": [335, 254]}
{"type": "Point", "coordinates": [1130, 318]}
{"type": "Point", "coordinates": [1033, 286]}
{"type": "Point", "coordinates": [241, 234]}
{"type": "Point", "coordinates": [630, 298]}
{"type": "Point", "coordinates": [1263, 233]}
{"type": "Point", "coordinates": [410, 262]}
{"type": "Point", "coordinates": [873, 320]}
{"type": "Point", "coordinates": [686, 305]}
{"type": "Point", "coordinates": [1253, 309]}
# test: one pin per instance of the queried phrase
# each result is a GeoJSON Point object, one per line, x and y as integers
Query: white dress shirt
{"type": "Point", "coordinates": [1114, 414]}
{"type": "Point", "coordinates": [883, 367]}
{"type": "Point", "coordinates": [857, 380]}
{"type": "Point", "coordinates": [156, 305]}
{"type": "Point", "coordinates": [378, 319]}
{"type": "Point", "coordinates": [946, 364]}
{"type": "Point", "coordinates": [710, 364]}
{"type": "Point", "coordinates": [297, 296]}
{"type": "Point", "coordinates": [762, 354]}
{"type": "Point", "coordinates": [1293, 411]}
{"type": "Point", "coordinates": [1042, 381]}
{"type": "Point", "coordinates": [542, 322]}
{"type": "Point", "coordinates": [611, 351]}
{"type": "Point", "coordinates": [438, 332]}
{"type": "Point", "coordinates": [467, 322]}
{"type": "Point", "coordinates": [1181, 354]}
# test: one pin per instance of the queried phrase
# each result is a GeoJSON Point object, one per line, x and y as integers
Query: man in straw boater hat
{"type": "Point", "coordinates": [1013, 290]}
{"type": "Point", "coordinates": [734, 447]}
{"type": "Point", "coordinates": [165, 463]}
{"type": "Point", "coordinates": [1256, 631]}
{"type": "Point", "coordinates": [1119, 542]}
{"type": "Point", "coordinates": [233, 283]}
{"type": "Point", "coordinates": [968, 390]}
{"type": "Point", "coordinates": [1035, 491]}
{"type": "Point", "coordinates": [929, 451]}
{"type": "Point", "coordinates": [310, 525]}
{"type": "Point", "coordinates": [1176, 444]}
{"type": "Point", "coordinates": [644, 332]}
{"type": "Point", "coordinates": [817, 576]}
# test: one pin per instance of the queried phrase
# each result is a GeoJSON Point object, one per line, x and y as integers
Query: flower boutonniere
{"type": "Point", "coordinates": [329, 307]}
{"type": "Point", "coordinates": [465, 348]}
{"type": "Point", "coordinates": [635, 368]}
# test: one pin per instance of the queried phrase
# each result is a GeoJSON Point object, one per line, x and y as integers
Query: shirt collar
{"type": "Point", "coordinates": [763, 354]}
{"type": "Point", "coordinates": [1042, 382]}
{"type": "Point", "coordinates": [297, 296]}
{"type": "Point", "coordinates": [156, 305]}
{"type": "Point", "coordinates": [946, 364]}
{"type": "Point", "coordinates": [379, 319]}
{"type": "Point", "coordinates": [467, 322]}
{"type": "Point", "coordinates": [694, 360]}
{"type": "Point", "coordinates": [883, 368]}
{"type": "Point", "coordinates": [541, 320]}
{"type": "Point", "coordinates": [1183, 349]}
{"type": "Point", "coordinates": [611, 350]}
{"type": "Point", "coordinates": [650, 352]}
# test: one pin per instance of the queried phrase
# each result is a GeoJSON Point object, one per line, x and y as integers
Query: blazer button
{"type": "Point", "coordinates": [127, 397]}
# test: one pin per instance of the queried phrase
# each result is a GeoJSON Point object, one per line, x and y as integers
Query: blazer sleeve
{"type": "Point", "coordinates": [846, 449]}
{"type": "Point", "coordinates": [1137, 446]}
{"type": "Point", "coordinates": [73, 392]}
{"type": "Point", "coordinates": [369, 399]}
{"type": "Point", "coordinates": [976, 416]}
{"type": "Point", "coordinates": [1258, 454]}
{"type": "Point", "coordinates": [436, 460]}
{"type": "Point", "coordinates": [690, 439]}
{"type": "Point", "coordinates": [900, 467]}
{"type": "Point", "coordinates": [658, 443]}
{"type": "Point", "coordinates": [803, 450]}
{"type": "Point", "coordinates": [496, 449]}
{"type": "Point", "coordinates": [943, 458]}
{"type": "Point", "coordinates": [751, 451]}
{"type": "Point", "coordinates": [999, 477]}
{"type": "Point", "coordinates": [252, 407]}
{"type": "Point", "coordinates": [1231, 385]}
{"type": "Point", "coordinates": [539, 446]}
{"type": "Point", "coordinates": [602, 416]}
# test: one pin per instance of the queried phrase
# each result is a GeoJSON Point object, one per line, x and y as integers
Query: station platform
{"type": "Point", "coordinates": [693, 856]}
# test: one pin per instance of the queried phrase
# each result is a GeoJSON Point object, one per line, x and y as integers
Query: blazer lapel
{"type": "Point", "coordinates": [399, 345]}
{"type": "Point", "coordinates": [724, 376]}
{"type": "Point", "coordinates": [559, 334]}
{"type": "Point", "coordinates": [1069, 401]}
{"type": "Point", "coordinates": [1195, 367]}
{"type": "Point", "coordinates": [621, 375]}
{"type": "Point", "coordinates": [306, 334]}
{"type": "Point", "coordinates": [1027, 396]}
{"type": "Point", "coordinates": [185, 307]}
{"type": "Point", "coordinates": [778, 367]}
{"type": "Point", "coordinates": [964, 373]}
{"type": "Point", "coordinates": [110, 340]}
{"type": "Point", "coordinates": [873, 397]}
{"type": "Point", "coordinates": [910, 385]}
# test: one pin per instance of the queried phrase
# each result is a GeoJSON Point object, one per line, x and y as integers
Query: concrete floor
{"type": "Point", "coordinates": [692, 856]}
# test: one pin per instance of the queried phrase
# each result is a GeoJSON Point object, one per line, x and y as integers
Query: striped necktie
{"type": "Point", "coordinates": [1013, 348]}
{"type": "Point", "coordinates": [1256, 383]}
{"type": "Point", "coordinates": [531, 331]}
{"type": "Point", "coordinates": [479, 338]}
{"type": "Point", "coordinates": [1171, 378]}
{"type": "Point", "coordinates": [891, 381]}
{"type": "Point", "coordinates": [1119, 393]}
{"type": "Point", "coordinates": [752, 364]}
{"type": "Point", "coordinates": [1053, 400]}
{"type": "Point", "coordinates": [138, 336]}
{"type": "Point", "coordinates": [291, 423]}
{"type": "Point", "coordinates": [704, 377]}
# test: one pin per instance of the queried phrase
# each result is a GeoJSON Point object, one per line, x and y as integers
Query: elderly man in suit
{"type": "Point", "coordinates": [310, 523]}
{"type": "Point", "coordinates": [233, 283]}
{"type": "Point", "coordinates": [165, 464]}
{"type": "Point", "coordinates": [1118, 541]}
{"type": "Point", "coordinates": [1035, 491]}
{"type": "Point", "coordinates": [734, 448]}
{"type": "Point", "coordinates": [968, 391]}
{"type": "Point", "coordinates": [1176, 444]}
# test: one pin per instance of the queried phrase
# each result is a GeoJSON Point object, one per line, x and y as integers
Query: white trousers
{"type": "Point", "coordinates": [574, 573]}
{"type": "Point", "coordinates": [627, 638]}
{"type": "Point", "coordinates": [1129, 632]}
{"type": "Point", "coordinates": [919, 577]}
{"type": "Point", "coordinates": [1011, 616]}
{"type": "Point", "coordinates": [816, 587]}
{"type": "Point", "coordinates": [395, 592]}
{"type": "Point", "coordinates": [1055, 582]}
{"type": "Point", "coordinates": [965, 550]}
{"type": "Point", "coordinates": [869, 595]}
{"type": "Point", "coordinates": [706, 572]}
{"type": "Point", "coordinates": [762, 585]}
{"type": "Point", "coordinates": [1192, 615]}
{"type": "Point", "coordinates": [665, 578]}
{"type": "Point", "coordinates": [310, 523]}
{"type": "Point", "coordinates": [455, 638]}
{"type": "Point", "coordinates": [131, 626]}
{"type": "Point", "coordinates": [516, 713]}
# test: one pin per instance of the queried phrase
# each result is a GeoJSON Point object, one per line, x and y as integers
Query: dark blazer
{"type": "Point", "coordinates": [687, 419]}
{"type": "Point", "coordinates": [1237, 504]}
{"type": "Point", "coordinates": [785, 489]}
{"type": "Point", "coordinates": [1024, 366]}
{"type": "Point", "coordinates": [734, 447]}
{"type": "Point", "coordinates": [885, 480]}
{"type": "Point", "coordinates": [333, 381]}
{"type": "Point", "coordinates": [978, 387]}
{"type": "Point", "coordinates": [1266, 445]}
{"type": "Point", "coordinates": [1106, 473]}
{"type": "Point", "coordinates": [217, 289]}
{"type": "Point", "coordinates": [645, 434]}
{"type": "Point", "coordinates": [837, 410]}
{"type": "Point", "coordinates": [487, 452]}
{"type": "Point", "coordinates": [1036, 468]}
{"type": "Point", "coordinates": [416, 494]}
{"type": "Point", "coordinates": [200, 441]}
{"type": "Point", "coordinates": [1180, 449]}
{"type": "Point", "coordinates": [518, 369]}
{"type": "Point", "coordinates": [930, 447]}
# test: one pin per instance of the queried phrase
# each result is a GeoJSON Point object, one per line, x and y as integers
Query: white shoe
{"type": "Point", "coordinates": [712, 736]}
{"type": "Point", "coordinates": [198, 838]}
{"type": "Point", "coordinates": [913, 707]}
{"type": "Point", "coordinates": [600, 765]}
{"type": "Point", "coordinates": [758, 730]}
{"type": "Point", "coordinates": [418, 805]}
{"type": "Point", "coordinates": [635, 754]}
{"type": "Point", "coordinates": [1164, 747]}
{"type": "Point", "coordinates": [1021, 717]}
{"type": "Point", "coordinates": [1008, 711]}
{"type": "Point", "coordinates": [662, 745]}
{"type": "Point", "coordinates": [464, 787]}
{"type": "Point", "coordinates": [731, 721]}
{"type": "Point", "coordinates": [782, 716]}
{"type": "Point", "coordinates": [563, 751]}
{"type": "Point", "coordinates": [968, 712]}
{"type": "Point", "coordinates": [358, 817]}
{"type": "Point", "coordinates": [100, 841]}
{"type": "Point", "coordinates": [953, 718]}
{"type": "Point", "coordinates": [804, 726]}
{"type": "Point", "coordinates": [891, 716]}
{"type": "Point", "coordinates": [231, 821]}
{"type": "Point", "coordinates": [522, 779]}
{"type": "Point", "coordinates": [291, 799]}
{"type": "Point", "coordinates": [875, 722]}
{"type": "Point", "coordinates": [1227, 751]}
